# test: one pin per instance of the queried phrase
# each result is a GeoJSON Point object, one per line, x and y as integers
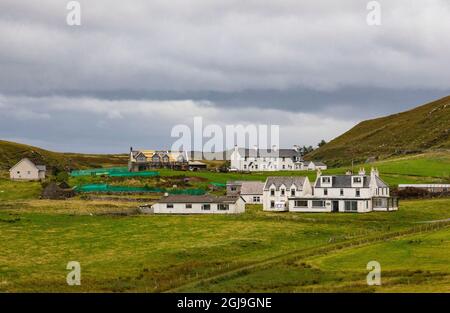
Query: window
{"type": "Point", "coordinates": [342, 192]}
{"type": "Point", "coordinates": [284, 166]}
{"type": "Point", "coordinates": [29, 172]}
{"type": "Point", "coordinates": [245, 166]}
{"type": "Point", "coordinates": [357, 180]}
{"type": "Point", "coordinates": [256, 166]}
{"type": "Point", "coordinates": [358, 193]}
{"type": "Point", "coordinates": [169, 205]}
{"type": "Point", "coordinates": [223, 207]}
{"type": "Point", "coordinates": [272, 204]}
{"type": "Point", "coordinates": [293, 192]}
{"type": "Point", "coordinates": [318, 204]}
{"type": "Point", "coordinates": [18, 172]}
{"type": "Point", "coordinates": [206, 207]}
{"type": "Point", "coordinates": [301, 203]}
{"type": "Point", "coordinates": [351, 206]}
{"type": "Point", "coordinates": [189, 206]}
{"type": "Point", "coordinates": [272, 192]}
{"type": "Point", "coordinates": [256, 199]}
{"type": "Point", "coordinates": [282, 192]}
{"type": "Point", "coordinates": [325, 192]}
{"type": "Point", "coordinates": [326, 180]}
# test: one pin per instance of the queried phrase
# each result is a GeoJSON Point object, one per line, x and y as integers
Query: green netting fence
{"type": "Point", "coordinates": [220, 185]}
{"type": "Point", "coordinates": [105, 188]}
{"type": "Point", "coordinates": [113, 172]}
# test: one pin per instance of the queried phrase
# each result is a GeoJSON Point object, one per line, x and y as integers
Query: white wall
{"type": "Point", "coordinates": [249, 199]}
{"type": "Point", "coordinates": [180, 208]}
{"type": "Point", "coordinates": [25, 170]}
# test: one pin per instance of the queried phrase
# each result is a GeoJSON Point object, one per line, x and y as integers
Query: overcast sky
{"type": "Point", "coordinates": [134, 69]}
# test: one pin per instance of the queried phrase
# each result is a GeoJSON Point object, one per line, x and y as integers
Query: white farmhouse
{"type": "Point", "coordinates": [278, 189]}
{"type": "Point", "coordinates": [206, 204]}
{"type": "Point", "coordinates": [346, 193]}
{"type": "Point", "coordinates": [250, 191]}
{"type": "Point", "coordinates": [266, 159]}
{"type": "Point", "coordinates": [27, 170]}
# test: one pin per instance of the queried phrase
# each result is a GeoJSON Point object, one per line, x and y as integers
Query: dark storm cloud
{"type": "Point", "coordinates": [281, 61]}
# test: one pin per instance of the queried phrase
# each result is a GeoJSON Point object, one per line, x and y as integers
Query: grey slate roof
{"type": "Point", "coordinates": [41, 167]}
{"type": "Point", "coordinates": [197, 199]}
{"type": "Point", "coordinates": [345, 181]}
{"type": "Point", "coordinates": [252, 188]}
{"type": "Point", "coordinates": [287, 181]}
{"type": "Point", "coordinates": [269, 153]}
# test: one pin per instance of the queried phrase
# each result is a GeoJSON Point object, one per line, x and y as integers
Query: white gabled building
{"type": "Point", "coordinates": [192, 204]}
{"type": "Point", "coordinates": [278, 189]}
{"type": "Point", "coordinates": [255, 160]}
{"type": "Point", "coordinates": [27, 170]}
{"type": "Point", "coordinates": [250, 191]}
{"type": "Point", "coordinates": [346, 193]}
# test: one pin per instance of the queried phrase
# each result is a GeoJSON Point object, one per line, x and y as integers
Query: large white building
{"type": "Point", "coordinates": [25, 169]}
{"type": "Point", "coordinates": [256, 160]}
{"type": "Point", "coordinates": [346, 193]}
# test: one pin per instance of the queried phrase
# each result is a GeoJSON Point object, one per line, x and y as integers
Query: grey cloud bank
{"type": "Point", "coordinates": [134, 69]}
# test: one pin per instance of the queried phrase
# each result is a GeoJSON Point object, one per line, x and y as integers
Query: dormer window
{"type": "Point", "coordinates": [357, 180]}
{"type": "Point", "coordinates": [293, 192]}
{"type": "Point", "coordinates": [272, 192]}
{"type": "Point", "coordinates": [326, 180]}
{"type": "Point", "coordinates": [282, 192]}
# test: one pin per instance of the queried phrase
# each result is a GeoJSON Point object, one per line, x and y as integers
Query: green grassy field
{"type": "Point", "coordinates": [122, 251]}
{"type": "Point", "coordinates": [132, 252]}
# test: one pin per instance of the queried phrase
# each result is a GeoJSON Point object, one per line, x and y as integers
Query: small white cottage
{"type": "Point", "coordinates": [193, 204]}
{"type": "Point", "coordinates": [27, 170]}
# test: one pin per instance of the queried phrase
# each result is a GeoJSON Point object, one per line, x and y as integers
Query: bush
{"type": "Point", "coordinates": [62, 176]}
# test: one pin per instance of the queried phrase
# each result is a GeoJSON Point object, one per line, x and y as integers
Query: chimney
{"type": "Point", "coordinates": [131, 149]}
{"type": "Point", "coordinates": [274, 148]}
{"type": "Point", "coordinates": [374, 172]}
{"type": "Point", "coordinates": [362, 171]}
{"type": "Point", "coordinates": [296, 148]}
{"type": "Point", "coordinates": [349, 173]}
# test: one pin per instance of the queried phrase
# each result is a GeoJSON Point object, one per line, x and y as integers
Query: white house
{"type": "Point", "coordinates": [206, 204]}
{"type": "Point", "coordinates": [266, 159]}
{"type": "Point", "coordinates": [250, 191]}
{"type": "Point", "coordinates": [346, 193]}
{"type": "Point", "coordinates": [314, 166]}
{"type": "Point", "coordinates": [277, 191]}
{"type": "Point", "coordinates": [27, 170]}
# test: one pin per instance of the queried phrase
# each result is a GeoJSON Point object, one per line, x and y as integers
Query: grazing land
{"type": "Point", "coordinates": [122, 251]}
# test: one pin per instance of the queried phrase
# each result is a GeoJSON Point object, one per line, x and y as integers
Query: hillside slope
{"type": "Point", "coordinates": [420, 129]}
{"type": "Point", "coordinates": [11, 153]}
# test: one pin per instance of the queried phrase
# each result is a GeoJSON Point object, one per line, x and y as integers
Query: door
{"type": "Point", "coordinates": [335, 206]}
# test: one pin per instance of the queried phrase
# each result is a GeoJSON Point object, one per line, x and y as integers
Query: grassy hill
{"type": "Point", "coordinates": [424, 128]}
{"type": "Point", "coordinates": [11, 153]}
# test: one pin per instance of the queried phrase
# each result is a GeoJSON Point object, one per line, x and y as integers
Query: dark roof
{"type": "Point", "coordinates": [345, 181]}
{"type": "Point", "coordinates": [197, 199]}
{"type": "Point", "coordinates": [269, 153]}
{"type": "Point", "coordinates": [287, 181]}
